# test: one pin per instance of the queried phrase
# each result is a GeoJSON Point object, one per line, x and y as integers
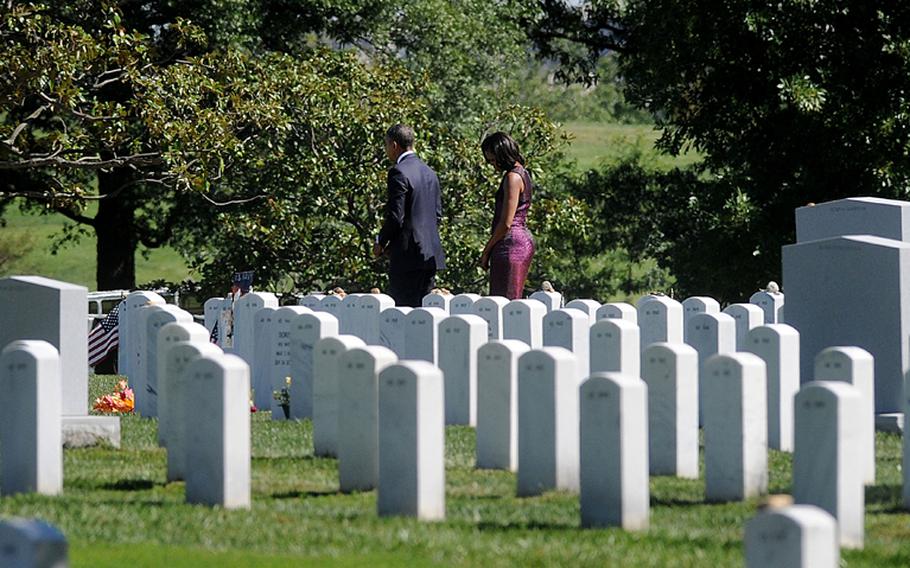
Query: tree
{"type": "Point", "coordinates": [243, 146]}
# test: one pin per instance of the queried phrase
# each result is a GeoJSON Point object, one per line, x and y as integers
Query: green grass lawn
{"type": "Point", "coordinates": [76, 262]}
{"type": "Point", "coordinates": [597, 143]}
{"type": "Point", "coordinates": [117, 509]}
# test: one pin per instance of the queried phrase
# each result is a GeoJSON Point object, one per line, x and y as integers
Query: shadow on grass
{"type": "Point", "coordinates": [674, 502]}
{"type": "Point", "coordinates": [487, 526]}
{"type": "Point", "coordinates": [305, 494]}
{"type": "Point", "coordinates": [131, 485]}
{"type": "Point", "coordinates": [889, 499]}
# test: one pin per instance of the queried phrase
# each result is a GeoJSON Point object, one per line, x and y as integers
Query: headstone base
{"type": "Point", "coordinates": [890, 422]}
{"type": "Point", "coordinates": [85, 431]}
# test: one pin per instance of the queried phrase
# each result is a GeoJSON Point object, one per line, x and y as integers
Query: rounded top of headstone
{"type": "Point", "coordinates": [796, 517]}
{"type": "Point", "coordinates": [313, 317]}
{"type": "Point", "coordinates": [526, 304]}
{"type": "Point", "coordinates": [565, 314]}
{"type": "Point", "coordinates": [185, 330]}
{"type": "Point", "coordinates": [220, 363]}
{"type": "Point", "coordinates": [616, 310]}
{"type": "Point", "coordinates": [463, 321]}
{"type": "Point", "coordinates": [743, 307]}
{"type": "Point", "coordinates": [497, 301]}
{"type": "Point", "coordinates": [375, 353]}
{"type": "Point", "coordinates": [771, 330]}
{"type": "Point", "coordinates": [412, 369]}
{"type": "Point", "coordinates": [142, 297]}
{"type": "Point", "coordinates": [701, 303]}
{"type": "Point", "coordinates": [291, 311]}
{"type": "Point", "coordinates": [435, 299]}
{"type": "Point", "coordinates": [611, 381]}
{"type": "Point", "coordinates": [266, 311]}
{"type": "Point", "coordinates": [381, 300]}
{"type": "Point", "coordinates": [585, 305]}
{"type": "Point", "coordinates": [156, 315]}
{"type": "Point", "coordinates": [194, 349]}
{"type": "Point", "coordinates": [466, 297]}
{"type": "Point", "coordinates": [503, 346]}
{"type": "Point", "coordinates": [401, 310]}
{"type": "Point", "coordinates": [36, 349]}
{"type": "Point", "coordinates": [663, 302]}
{"type": "Point", "coordinates": [827, 390]}
{"type": "Point", "coordinates": [711, 320]}
{"type": "Point", "coordinates": [844, 353]}
{"type": "Point", "coordinates": [30, 529]}
{"type": "Point", "coordinates": [436, 314]}
{"type": "Point", "coordinates": [723, 363]}
{"type": "Point", "coordinates": [339, 343]}
{"type": "Point", "coordinates": [614, 325]}
{"type": "Point", "coordinates": [547, 354]}
{"type": "Point", "coordinates": [663, 349]}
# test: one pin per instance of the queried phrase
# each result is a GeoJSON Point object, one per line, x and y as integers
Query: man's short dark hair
{"type": "Point", "coordinates": [401, 134]}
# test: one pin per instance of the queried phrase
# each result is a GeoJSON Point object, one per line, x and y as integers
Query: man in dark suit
{"type": "Point", "coordinates": [410, 233]}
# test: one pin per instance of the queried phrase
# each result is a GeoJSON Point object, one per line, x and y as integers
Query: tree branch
{"type": "Point", "coordinates": [87, 162]}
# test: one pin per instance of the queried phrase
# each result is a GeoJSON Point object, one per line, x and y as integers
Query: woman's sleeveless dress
{"type": "Point", "coordinates": [511, 257]}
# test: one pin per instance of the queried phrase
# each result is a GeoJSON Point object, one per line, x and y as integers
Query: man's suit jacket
{"type": "Point", "coordinates": [410, 232]}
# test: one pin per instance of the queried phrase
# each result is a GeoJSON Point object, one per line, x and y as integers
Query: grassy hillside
{"type": "Point", "coordinates": [75, 262]}
{"type": "Point", "coordinates": [598, 143]}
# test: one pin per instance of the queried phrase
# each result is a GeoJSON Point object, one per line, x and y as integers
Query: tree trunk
{"type": "Point", "coordinates": [116, 234]}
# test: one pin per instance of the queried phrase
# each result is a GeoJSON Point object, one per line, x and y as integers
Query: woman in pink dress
{"type": "Point", "coordinates": [510, 248]}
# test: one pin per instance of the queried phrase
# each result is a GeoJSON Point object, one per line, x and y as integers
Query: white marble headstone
{"type": "Point", "coordinates": [671, 373]}
{"type": "Point", "coordinates": [218, 432]}
{"type": "Point", "coordinates": [263, 349]}
{"type": "Point", "coordinates": [34, 307]}
{"type": "Point", "coordinates": [392, 326]}
{"type": "Point", "coordinates": [523, 320]}
{"type": "Point", "coordinates": [778, 346]}
{"type": "Point", "coordinates": [490, 308]}
{"type": "Point", "coordinates": [145, 385]}
{"type": "Point", "coordinates": [697, 305]}
{"type": "Point", "coordinates": [311, 301]}
{"type": "Point", "coordinates": [463, 304]}
{"type": "Point", "coordinates": [31, 543]}
{"type": "Point", "coordinates": [331, 305]}
{"type": "Point", "coordinates": [179, 358]}
{"type": "Point", "coordinates": [798, 536]}
{"type": "Point", "coordinates": [30, 424]}
{"type": "Point", "coordinates": [411, 441]}
{"type": "Point", "coordinates": [459, 339]}
{"type": "Point", "coordinates": [128, 330]}
{"type": "Point", "coordinates": [614, 347]}
{"type": "Point", "coordinates": [855, 366]}
{"type": "Point", "coordinates": [709, 333]}
{"type": "Point", "coordinates": [660, 320]}
{"type": "Point", "coordinates": [771, 304]}
{"type": "Point", "coordinates": [746, 317]}
{"type": "Point", "coordinates": [617, 310]}
{"type": "Point", "coordinates": [327, 371]}
{"type": "Point", "coordinates": [349, 315]}
{"type": "Point", "coordinates": [497, 404]}
{"type": "Point", "coordinates": [358, 416]}
{"type": "Point", "coordinates": [828, 447]}
{"type": "Point", "coordinates": [306, 331]}
{"type": "Point", "coordinates": [168, 336]}
{"type": "Point", "coordinates": [421, 334]}
{"type": "Point", "coordinates": [736, 429]}
{"type": "Point", "coordinates": [370, 308]}
{"type": "Point", "coordinates": [211, 311]}
{"type": "Point", "coordinates": [614, 460]}
{"type": "Point", "coordinates": [588, 306]}
{"type": "Point", "coordinates": [548, 421]}
{"type": "Point", "coordinates": [570, 329]}
{"type": "Point", "coordinates": [245, 310]}
{"type": "Point", "coordinates": [433, 300]}
{"type": "Point", "coordinates": [280, 357]}
{"type": "Point", "coordinates": [552, 300]}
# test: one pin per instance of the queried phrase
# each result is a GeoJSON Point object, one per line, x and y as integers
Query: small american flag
{"type": "Point", "coordinates": [213, 337]}
{"type": "Point", "coordinates": [105, 337]}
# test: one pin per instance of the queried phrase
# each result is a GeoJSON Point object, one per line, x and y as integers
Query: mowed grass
{"type": "Point", "coordinates": [75, 262]}
{"type": "Point", "coordinates": [596, 143]}
{"type": "Point", "coordinates": [118, 509]}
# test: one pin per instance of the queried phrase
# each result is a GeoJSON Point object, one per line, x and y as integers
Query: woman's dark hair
{"type": "Point", "coordinates": [503, 149]}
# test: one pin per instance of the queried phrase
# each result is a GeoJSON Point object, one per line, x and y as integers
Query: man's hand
{"type": "Point", "coordinates": [377, 250]}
